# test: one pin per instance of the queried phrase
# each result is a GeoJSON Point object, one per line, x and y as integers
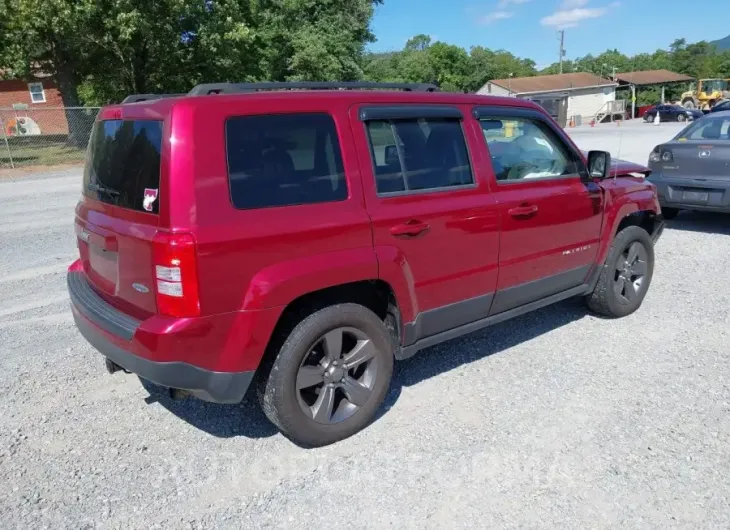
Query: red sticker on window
{"type": "Point", "coordinates": [150, 196]}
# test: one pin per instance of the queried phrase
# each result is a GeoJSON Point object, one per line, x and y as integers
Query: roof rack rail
{"type": "Point", "coordinates": [134, 98]}
{"type": "Point", "coordinates": [234, 88]}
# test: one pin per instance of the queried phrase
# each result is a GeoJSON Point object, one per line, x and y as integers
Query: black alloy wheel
{"type": "Point", "coordinates": [626, 275]}
{"type": "Point", "coordinates": [631, 269]}
{"type": "Point", "coordinates": [337, 375]}
{"type": "Point", "coordinates": [326, 378]}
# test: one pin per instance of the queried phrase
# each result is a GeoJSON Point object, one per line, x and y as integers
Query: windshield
{"type": "Point", "coordinates": [123, 164]}
{"type": "Point", "coordinates": [715, 128]}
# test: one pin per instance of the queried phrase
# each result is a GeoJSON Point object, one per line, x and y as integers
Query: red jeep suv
{"type": "Point", "coordinates": [303, 236]}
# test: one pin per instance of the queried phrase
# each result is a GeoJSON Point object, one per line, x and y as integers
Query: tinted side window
{"type": "Point", "coordinates": [410, 155]}
{"type": "Point", "coordinates": [525, 149]}
{"type": "Point", "coordinates": [284, 160]}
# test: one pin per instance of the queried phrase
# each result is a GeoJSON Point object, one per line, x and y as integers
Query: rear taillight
{"type": "Point", "coordinates": [176, 275]}
{"type": "Point", "coordinates": [661, 155]}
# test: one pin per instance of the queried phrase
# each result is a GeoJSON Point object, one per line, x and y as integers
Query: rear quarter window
{"type": "Point", "coordinates": [123, 164]}
{"type": "Point", "coordinates": [284, 160]}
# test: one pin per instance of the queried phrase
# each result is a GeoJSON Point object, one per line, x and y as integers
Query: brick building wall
{"type": "Point", "coordinates": [48, 115]}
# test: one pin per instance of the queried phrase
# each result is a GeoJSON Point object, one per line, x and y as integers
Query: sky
{"type": "Point", "coordinates": [529, 28]}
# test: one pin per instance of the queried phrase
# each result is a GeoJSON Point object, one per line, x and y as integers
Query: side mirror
{"type": "Point", "coordinates": [599, 164]}
{"type": "Point", "coordinates": [391, 155]}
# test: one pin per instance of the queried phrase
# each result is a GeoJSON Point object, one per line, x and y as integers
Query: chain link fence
{"type": "Point", "coordinates": [44, 137]}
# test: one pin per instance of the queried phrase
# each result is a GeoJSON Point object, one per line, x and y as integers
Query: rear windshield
{"type": "Point", "coordinates": [123, 164]}
{"type": "Point", "coordinates": [708, 128]}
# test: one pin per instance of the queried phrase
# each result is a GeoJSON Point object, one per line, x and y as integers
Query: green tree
{"type": "Point", "coordinates": [568, 68]}
{"type": "Point", "coordinates": [415, 67]}
{"type": "Point", "coordinates": [105, 49]}
{"type": "Point", "coordinates": [480, 68]}
{"type": "Point", "coordinates": [165, 46]}
{"type": "Point", "coordinates": [318, 40]}
{"type": "Point", "coordinates": [419, 43]}
{"type": "Point", "coordinates": [383, 67]}
{"type": "Point", "coordinates": [42, 38]}
{"type": "Point", "coordinates": [450, 65]}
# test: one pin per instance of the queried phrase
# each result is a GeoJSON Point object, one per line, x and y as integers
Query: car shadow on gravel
{"type": "Point", "coordinates": [707, 222]}
{"type": "Point", "coordinates": [222, 421]}
{"type": "Point", "coordinates": [448, 356]}
{"type": "Point", "coordinates": [248, 420]}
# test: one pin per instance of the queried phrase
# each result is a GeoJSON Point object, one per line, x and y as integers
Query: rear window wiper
{"type": "Point", "coordinates": [103, 189]}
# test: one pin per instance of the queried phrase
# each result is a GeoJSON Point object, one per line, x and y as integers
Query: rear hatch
{"type": "Point", "coordinates": [118, 216]}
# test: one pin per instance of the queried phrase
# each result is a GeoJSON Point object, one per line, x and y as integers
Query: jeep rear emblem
{"type": "Point", "coordinates": [141, 288]}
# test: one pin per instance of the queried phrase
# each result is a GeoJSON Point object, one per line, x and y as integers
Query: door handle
{"type": "Point", "coordinates": [411, 228]}
{"type": "Point", "coordinates": [523, 211]}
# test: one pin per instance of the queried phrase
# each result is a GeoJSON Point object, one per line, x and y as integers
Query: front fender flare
{"type": "Point", "coordinates": [637, 201]}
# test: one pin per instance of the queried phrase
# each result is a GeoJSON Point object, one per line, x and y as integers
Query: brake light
{"type": "Point", "coordinates": [176, 275]}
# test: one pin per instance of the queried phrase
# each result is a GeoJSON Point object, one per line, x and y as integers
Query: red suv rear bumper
{"type": "Point", "coordinates": [213, 358]}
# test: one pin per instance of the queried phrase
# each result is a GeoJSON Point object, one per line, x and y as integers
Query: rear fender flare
{"type": "Point", "coordinates": [280, 284]}
{"type": "Point", "coordinates": [395, 270]}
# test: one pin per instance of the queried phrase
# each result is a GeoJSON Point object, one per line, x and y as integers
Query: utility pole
{"type": "Point", "coordinates": [562, 48]}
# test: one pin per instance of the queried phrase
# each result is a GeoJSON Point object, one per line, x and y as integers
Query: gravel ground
{"type": "Point", "coordinates": [557, 419]}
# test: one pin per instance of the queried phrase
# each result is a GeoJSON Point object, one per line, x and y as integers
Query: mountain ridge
{"type": "Point", "coordinates": [722, 44]}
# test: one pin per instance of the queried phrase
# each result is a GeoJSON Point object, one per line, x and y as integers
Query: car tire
{"type": "Point", "coordinates": [312, 399]}
{"type": "Point", "coordinates": [625, 277]}
{"type": "Point", "coordinates": [670, 213]}
{"type": "Point", "coordinates": [648, 118]}
{"type": "Point", "coordinates": [681, 118]}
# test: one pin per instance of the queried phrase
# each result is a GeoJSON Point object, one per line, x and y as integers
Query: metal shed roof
{"type": "Point", "coordinates": [551, 83]}
{"type": "Point", "coordinates": [652, 77]}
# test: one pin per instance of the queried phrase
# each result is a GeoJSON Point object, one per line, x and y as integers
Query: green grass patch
{"type": "Point", "coordinates": [39, 151]}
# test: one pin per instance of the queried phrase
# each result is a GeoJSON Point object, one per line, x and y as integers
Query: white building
{"type": "Point", "coordinates": [579, 96]}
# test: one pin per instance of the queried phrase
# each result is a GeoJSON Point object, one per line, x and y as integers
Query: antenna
{"type": "Point", "coordinates": [620, 139]}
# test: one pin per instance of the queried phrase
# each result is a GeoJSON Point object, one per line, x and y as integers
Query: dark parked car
{"type": "Point", "coordinates": [692, 171]}
{"type": "Point", "coordinates": [721, 106]}
{"type": "Point", "coordinates": [304, 240]}
{"type": "Point", "coordinates": [672, 113]}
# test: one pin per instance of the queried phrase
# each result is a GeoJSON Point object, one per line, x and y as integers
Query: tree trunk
{"type": "Point", "coordinates": [79, 123]}
{"type": "Point", "coordinates": [139, 65]}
